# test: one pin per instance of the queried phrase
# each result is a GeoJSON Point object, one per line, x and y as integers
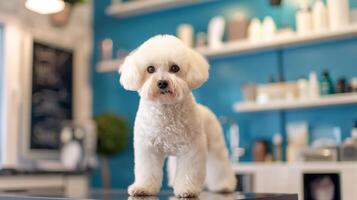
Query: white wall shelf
{"type": "Point", "coordinates": [241, 47]}
{"type": "Point", "coordinates": [246, 167]}
{"type": "Point", "coordinates": [245, 46]}
{"type": "Point", "coordinates": [336, 99]}
{"type": "Point", "coordinates": [135, 8]}
{"type": "Point", "coordinates": [109, 66]}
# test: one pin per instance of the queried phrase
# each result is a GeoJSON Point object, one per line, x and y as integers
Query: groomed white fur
{"type": "Point", "coordinates": [169, 122]}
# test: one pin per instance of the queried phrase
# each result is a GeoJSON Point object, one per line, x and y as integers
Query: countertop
{"type": "Point", "coordinates": [165, 195]}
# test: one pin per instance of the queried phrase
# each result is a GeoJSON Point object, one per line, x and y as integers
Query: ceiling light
{"type": "Point", "coordinates": [45, 6]}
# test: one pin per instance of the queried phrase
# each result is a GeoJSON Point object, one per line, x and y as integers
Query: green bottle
{"type": "Point", "coordinates": [326, 85]}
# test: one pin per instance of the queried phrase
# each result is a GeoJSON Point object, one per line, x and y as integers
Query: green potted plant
{"type": "Point", "coordinates": [62, 18]}
{"type": "Point", "coordinates": [112, 137]}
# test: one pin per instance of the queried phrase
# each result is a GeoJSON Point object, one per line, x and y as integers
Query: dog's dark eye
{"type": "Point", "coordinates": [151, 69]}
{"type": "Point", "coordinates": [174, 68]}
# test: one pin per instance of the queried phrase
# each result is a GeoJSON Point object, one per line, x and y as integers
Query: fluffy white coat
{"type": "Point", "coordinates": [169, 122]}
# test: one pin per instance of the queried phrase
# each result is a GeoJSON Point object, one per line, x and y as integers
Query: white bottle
{"type": "Point", "coordinates": [303, 87]}
{"type": "Point", "coordinates": [320, 16]}
{"type": "Point", "coordinates": [304, 24]}
{"type": "Point", "coordinates": [255, 30]}
{"type": "Point", "coordinates": [185, 33]}
{"type": "Point", "coordinates": [269, 28]}
{"type": "Point", "coordinates": [215, 32]}
{"type": "Point", "coordinates": [314, 88]}
{"type": "Point", "coordinates": [338, 12]}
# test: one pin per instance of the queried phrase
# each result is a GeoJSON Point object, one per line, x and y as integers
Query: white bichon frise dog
{"type": "Point", "coordinates": [169, 122]}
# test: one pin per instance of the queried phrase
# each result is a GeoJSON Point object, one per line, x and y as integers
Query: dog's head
{"type": "Point", "coordinates": [163, 69]}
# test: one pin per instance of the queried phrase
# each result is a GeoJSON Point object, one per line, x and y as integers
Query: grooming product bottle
{"type": "Point", "coordinates": [339, 13]}
{"type": "Point", "coordinates": [216, 29]}
{"type": "Point", "coordinates": [348, 151]}
{"type": "Point", "coordinates": [234, 142]}
{"type": "Point", "coordinates": [186, 34]}
{"type": "Point", "coordinates": [303, 88]}
{"type": "Point", "coordinates": [277, 148]}
{"type": "Point", "coordinates": [320, 16]}
{"type": "Point", "coordinates": [304, 22]}
{"type": "Point", "coordinates": [255, 30]}
{"type": "Point", "coordinates": [314, 88]}
{"type": "Point", "coordinates": [297, 136]}
{"type": "Point", "coordinates": [201, 39]}
{"type": "Point", "coordinates": [237, 28]}
{"type": "Point", "coordinates": [326, 85]}
{"type": "Point", "coordinates": [268, 28]}
{"type": "Point", "coordinates": [341, 86]}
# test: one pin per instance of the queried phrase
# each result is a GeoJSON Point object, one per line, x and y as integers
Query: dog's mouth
{"type": "Point", "coordinates": [164, 92]}
{"type": "Point", "coordinates": [167, 93]}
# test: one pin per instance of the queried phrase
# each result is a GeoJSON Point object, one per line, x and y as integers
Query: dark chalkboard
{"type": "Point", "coordinates": [51, 101]}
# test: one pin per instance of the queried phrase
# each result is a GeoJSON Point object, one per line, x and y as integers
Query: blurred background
{"type": "Point", "coordinates": [283, 80]}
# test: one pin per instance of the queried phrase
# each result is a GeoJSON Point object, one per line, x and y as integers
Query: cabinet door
{"type": "Point", "coordinates": [348, 183]}
{"type": "Point", "coordinates": [277, 180]}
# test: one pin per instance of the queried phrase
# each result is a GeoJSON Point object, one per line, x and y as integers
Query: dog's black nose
{"type": "Point", "coordinates": [162, 84]}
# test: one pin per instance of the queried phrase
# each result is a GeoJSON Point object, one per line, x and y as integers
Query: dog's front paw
{"type": "Point", "coordinates": [143, 198]}
{"type": "Point", "coordinates": [186, 192]}
{"type": "Point", "coordinates": [137, 190]}
{"type": "Point", "coordinates": [186, 195]}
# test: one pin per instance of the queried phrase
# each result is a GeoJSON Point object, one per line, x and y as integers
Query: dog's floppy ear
{"type": "Point", "coordinates": [130, 77]}
{"type": "Point", "coordinates": [198, 72]}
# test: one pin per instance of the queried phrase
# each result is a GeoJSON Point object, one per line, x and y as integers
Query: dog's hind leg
{"type": "Point", "coordinates": [220, 176]}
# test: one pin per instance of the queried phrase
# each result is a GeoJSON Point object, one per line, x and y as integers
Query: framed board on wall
{"type": "Point", "coordinates": [51, 96]}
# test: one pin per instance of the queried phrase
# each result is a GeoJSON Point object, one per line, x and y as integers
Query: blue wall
{"type": "Point", "coordinates": [226, 76]}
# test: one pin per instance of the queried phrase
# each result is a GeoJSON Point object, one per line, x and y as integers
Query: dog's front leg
{"type": "Point", "coordinates": [148, 171]}
{"type": "Point", "coordinates": [191, 171]}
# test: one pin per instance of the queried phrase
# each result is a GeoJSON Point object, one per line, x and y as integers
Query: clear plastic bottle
{"type": "Point", "coordinates": [278, 147]}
